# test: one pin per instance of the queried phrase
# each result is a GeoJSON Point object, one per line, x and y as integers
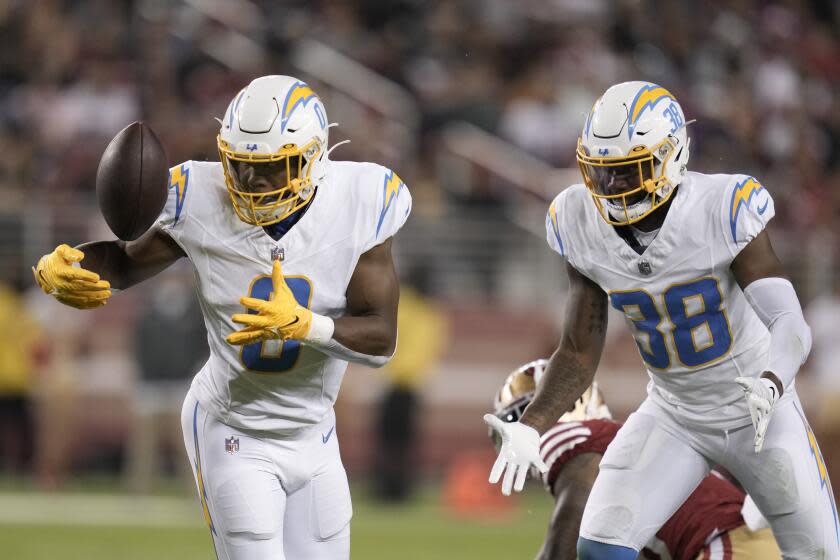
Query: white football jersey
{"type": "Point", "coordinates": [273, 385]}
{"type": "Point", "coordinates": [695, 330]}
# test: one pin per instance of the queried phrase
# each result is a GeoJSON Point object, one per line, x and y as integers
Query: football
{"type": "Point", "coordinates": [132, 181]}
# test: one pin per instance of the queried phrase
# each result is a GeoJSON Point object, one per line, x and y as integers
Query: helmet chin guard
{"type": "Point", "coordinates": [633, 151]}
{"type": "Point", "coordinates": [273, 148]}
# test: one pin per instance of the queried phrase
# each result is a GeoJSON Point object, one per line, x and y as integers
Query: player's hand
{"type": "Point", "coordinates": [762, 395]}
{"type": "Point", "coordinates": [71, 285]}
{"type": "Point", "coordinates": [280, 317]}
{"type": "Point", "coordinates": [520, 449]}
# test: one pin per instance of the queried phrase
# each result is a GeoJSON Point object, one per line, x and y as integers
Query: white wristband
{"type": "Point", "coordinates": [321, 330]}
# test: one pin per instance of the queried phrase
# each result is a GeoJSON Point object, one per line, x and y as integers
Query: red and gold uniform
{"type": "Point", "coordinates": [708, 526]}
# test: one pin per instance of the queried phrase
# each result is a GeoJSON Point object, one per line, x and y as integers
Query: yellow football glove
{"type": "Point", "coordinates": [71, 285]}
{"type": "Point", "coordinates": [280, 317]}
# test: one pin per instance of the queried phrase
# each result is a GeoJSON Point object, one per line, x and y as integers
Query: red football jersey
{"type": "Point", "coordinates": [713, 508]}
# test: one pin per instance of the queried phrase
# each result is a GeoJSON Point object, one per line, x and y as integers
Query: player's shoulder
{"type": "Point", "coordinates": [380, 197]}
{"type": "Point", "coordinates": [570, 200]}
{"type": "Point", "coordinates": [566, 213]}
{"type": "Point", "coordinates": [741, 203]}
{"type": "Point", "coordinates": [198, 171]}
{"type": "Point", "coordinates": [365, 179]}
{"type": "Point", "coordinates": [566, 440]}
{"type": "Point", "coordinates": [194, 186]}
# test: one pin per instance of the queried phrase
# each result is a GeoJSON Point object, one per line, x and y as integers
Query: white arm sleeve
{"type": "Point", "coordinates": [775, 302]}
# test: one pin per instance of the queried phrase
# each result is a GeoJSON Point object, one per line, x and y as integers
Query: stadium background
{"type": "Point", "coordinates": [477, 105]}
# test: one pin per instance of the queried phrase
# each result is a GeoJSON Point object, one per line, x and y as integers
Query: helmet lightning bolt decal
{"type": "Point", "coordinates": [392, 187]}
{"type": "Point", "coordinates": [647, 98]}
{"type": "Point", "coordinates": [742, 196]}
{"type": "Point", "coordinates": [299, 94]}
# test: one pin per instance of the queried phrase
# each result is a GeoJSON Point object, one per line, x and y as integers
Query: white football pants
{"type": "Point", "coordinates": [267, 497]}
{"type": "Point", "coordinates": [655, 463]}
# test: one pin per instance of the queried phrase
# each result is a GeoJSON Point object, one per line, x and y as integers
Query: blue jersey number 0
{"type": "Point", "coordinates": [253, 354]}
{"type": "Point", "coordinates": [707, 317]}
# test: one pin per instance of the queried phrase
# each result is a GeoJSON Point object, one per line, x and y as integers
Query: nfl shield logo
{"type": "Point", "coordinates": [232, 445]}
{"type": "Point", "coordinates": [278, 254]}
{"type": "Point", "coordinates": [644, 268]}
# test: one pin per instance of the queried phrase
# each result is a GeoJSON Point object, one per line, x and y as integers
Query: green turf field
{"type": "Point", "coordinates": [99, 527]}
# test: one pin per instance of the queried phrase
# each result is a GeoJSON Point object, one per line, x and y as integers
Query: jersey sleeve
{"type": "Point", "coordinates": [748, 207]}
{"type": "Point", "coordinates": [566, 440]}
{"type": "Point", "coordinates": [174, 214]}
{"type": "Point", "coordinates": [393, 205]}
{"type": "Point", "coordinates": [553, 227]}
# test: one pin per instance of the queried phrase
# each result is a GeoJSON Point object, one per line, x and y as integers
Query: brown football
{"type": "Point", "coordinates": [132, 181]}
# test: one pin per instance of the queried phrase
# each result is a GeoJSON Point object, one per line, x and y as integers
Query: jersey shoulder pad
{"type": "Point", "coordinates": [181, 180]}
{"type": "Point", "coordinates": [560, 215]}
{"type": "Point", "coordinates": [566, 440]}
{"type": "Point", "coordinates": [183, 201]}
{"type": "Point", "coordinates": [385, 201]}
{"type": "Point", "coordinates": [747, 207]}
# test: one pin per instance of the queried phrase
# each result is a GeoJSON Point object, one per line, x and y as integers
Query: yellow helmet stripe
{"type": "Point", "coordinates": [647, 97]}
{"type": "Point", "coordinates": [300, 94]}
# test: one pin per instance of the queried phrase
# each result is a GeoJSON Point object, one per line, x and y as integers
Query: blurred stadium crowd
{"type": "Point", "coordinates": [760, 78]}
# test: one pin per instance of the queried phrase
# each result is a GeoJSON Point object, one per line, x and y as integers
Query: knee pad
{"type": "Point", "coordinates": [625, 452]}
{"type": "Point", "coordinates": [773, 487]}
{"type": "Point", "coordinates": [594, 550]}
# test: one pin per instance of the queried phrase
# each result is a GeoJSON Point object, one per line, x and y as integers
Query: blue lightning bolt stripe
{"type": "Point", "coordinates": [825, 483]}
{"type": "Point", "coordinates": [179, 179]}
{"type": "Point", "coordinates": [555, 226]}
{"type": "Point", "coordinates": [390, 190]}
{"type": "Point", "coordinates": [299, 95]}
{"type": "Point", "coordinates": [742, 195]}
{"type": "Point", "coordinates": [588, 122]}
{"type": "Point", "coordinates": [647, 98]}
{"type": "Point", "coordinates": [235, 107]}
{"type": "Point", "coordinates": [199, 477]}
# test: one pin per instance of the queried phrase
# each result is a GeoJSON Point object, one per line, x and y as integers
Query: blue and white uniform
{"type": "Point", "coordinates": [258, 421]}
{"type": "Point", "coordinates": [696, 332]}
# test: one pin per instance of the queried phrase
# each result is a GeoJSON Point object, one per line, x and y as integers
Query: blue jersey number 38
{"type": "Point", "coordinates": [698, 331]}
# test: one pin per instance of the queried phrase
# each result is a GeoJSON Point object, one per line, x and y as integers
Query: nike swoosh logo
{"type": "Point", "coordinates": [763, 208]}
{"type": "Point", "coordinates": [326, 438]}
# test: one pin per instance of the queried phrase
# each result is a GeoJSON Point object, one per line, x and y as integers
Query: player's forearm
{"type": "Point", "coordinates": [108, 259]}
{"type": "Point", "coordinates": [369, 340]}
{"type": "Point", "coordinates": [126, 263]}
{"type": "Point", "coordinates": [571, 489]}
{"type": "Point", "coordinates": [566, 378]}
{"type": "Point", "coordinates": [774, 301]}
{"type": "Point", "coordinates": [561, 538]}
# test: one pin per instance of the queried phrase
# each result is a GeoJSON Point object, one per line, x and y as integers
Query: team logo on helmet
{"type": "Point", "coordinates": [647, 98]}
{"type": "Point", "coordinates": [299, 95]}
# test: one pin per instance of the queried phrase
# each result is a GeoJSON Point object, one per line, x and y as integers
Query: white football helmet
{"type": "Point", "coordinates": [519, 388]}
{"type": "Point", "coordinates": [633, 150]}
{"type": "Point", "coordinates": [273, 147]}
